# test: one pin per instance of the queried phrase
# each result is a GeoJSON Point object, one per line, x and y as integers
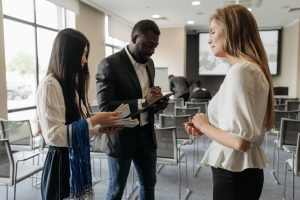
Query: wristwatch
{"type": "Point", "coordinates": [144, 102]}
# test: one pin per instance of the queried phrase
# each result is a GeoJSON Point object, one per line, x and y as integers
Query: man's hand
{"type": "Point", "coordinates": [153, 94]}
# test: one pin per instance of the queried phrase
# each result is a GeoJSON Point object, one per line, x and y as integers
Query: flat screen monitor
{"type": "Point", "coordinates": [211, 65]}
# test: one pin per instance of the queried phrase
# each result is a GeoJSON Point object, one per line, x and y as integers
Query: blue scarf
{"type": "Point", "coordinates": [80, 161]}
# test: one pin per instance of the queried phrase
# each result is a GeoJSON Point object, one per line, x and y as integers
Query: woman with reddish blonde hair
{"type": "Point", "coordinates": [242, 110]}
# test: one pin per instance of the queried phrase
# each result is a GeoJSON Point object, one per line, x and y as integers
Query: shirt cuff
{"type": "Point", "coordinates": [140, 104]}
{"type": "Point", "coordinates": [93, 130]}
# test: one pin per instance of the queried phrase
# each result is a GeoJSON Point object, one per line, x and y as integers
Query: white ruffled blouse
{"type": "Point", "coordinates": [239, 107]}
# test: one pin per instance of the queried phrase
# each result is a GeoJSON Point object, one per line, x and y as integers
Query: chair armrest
{"type": "Point", "coordinates": [27, 158]}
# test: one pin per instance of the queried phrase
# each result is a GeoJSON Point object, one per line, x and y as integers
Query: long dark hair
{"type": "Point", "coordinates": [65, 65]}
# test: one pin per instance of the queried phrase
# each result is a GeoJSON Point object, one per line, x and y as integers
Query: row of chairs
{"type": "Point", "coordinates": [283, 100]}
{"type": "Point", "coordinates": [288, 106]}
{"type": "Point", "coordinates": [294, 164]}
{"type": "Point", "coordinates": [178, 107]}
{"type": "Point", "coordinates": [16, 140]}
{"type": "Point", "coordinates": [171, 136]}
{"type": "Point", "coordinates": [287, 127]}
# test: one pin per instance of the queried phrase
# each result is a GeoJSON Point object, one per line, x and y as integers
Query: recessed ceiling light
{"type": "Point", "coordinates": [190, 22]}
{"type": "Point", "coordinates": [196, 3]}
{"type": "Point", "coordinates": [250, 9]}
{"type": "Point", "coordinates": [155, 16]}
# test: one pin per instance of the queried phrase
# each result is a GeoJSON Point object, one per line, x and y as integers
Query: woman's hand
{"type": "Point", "coordinates": [105, 118]}
{"type": "Point", "coordinates": [191, 129]}
{"type": "Point", "coordinates": [200, 121]}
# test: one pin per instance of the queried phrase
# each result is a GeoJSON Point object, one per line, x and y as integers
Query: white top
{"type": "Point", "coordinates": [239, 107]}
{"type": "Point", "coordinates": [142, 75]}
{"type": "Point", "coordinates": [50, 106]}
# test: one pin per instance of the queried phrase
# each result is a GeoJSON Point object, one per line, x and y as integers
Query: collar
{"type": "Point", "coordinates": [134, 63]}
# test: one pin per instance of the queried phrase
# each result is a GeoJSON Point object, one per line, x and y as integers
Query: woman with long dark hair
{"type": "Point", "coordinates": [66, 121]}
{"type": "Point", "coordinates": [242, 110]}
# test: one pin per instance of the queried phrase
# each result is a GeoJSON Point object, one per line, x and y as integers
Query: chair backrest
{"type": "Point", "coordinates": [179, 102]}
{"type": "Point", "coordinates": [280, 107]}
{"type": "Point", "coordinates": [284, 100]}
{"type": "Point", "coordinates": [289, 132]}
{"type": "Point", "coordinates": [276, 100]}
{"type": "Point", "coordinates": [297, 159]}
{"type": "Point", "coordinates": [293, 105]}
{"type": "Point", "coordinates": [199, 100]}
{"type": "Point", "coordinates": [170, 109]}
{"type": "Point", "coordinates": [279, 114]}
{"type": "Point", "coordinates": [176, 121]}
{"type": "Point", "coordinates": [166, 145]}
{"type": "Point", "coordinates": [201, 105]}
{"type": "Point", "coordinates": [6, 162]}
{"type": "Point", "coordinates": [187, 111]}
{"type": "Point", "coordinates": [18, 133]}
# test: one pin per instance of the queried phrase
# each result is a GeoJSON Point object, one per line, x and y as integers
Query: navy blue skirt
{"type": "Point", "coordinates": [56, 173]}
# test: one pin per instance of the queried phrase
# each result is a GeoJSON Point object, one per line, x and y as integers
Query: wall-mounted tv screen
{"type": "Point", "coordinates": [211, 65]}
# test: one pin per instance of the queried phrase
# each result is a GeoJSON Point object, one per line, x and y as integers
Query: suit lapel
{"type": "Point", "coordinates": [131, 73]}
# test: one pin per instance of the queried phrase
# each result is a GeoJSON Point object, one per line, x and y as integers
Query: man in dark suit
{"type": "Point", "coordinates": [128, 77]}
{"type": "Point", "coordinates": [180, 86]}
{"type": "Point", "coordinates": [196, 92]}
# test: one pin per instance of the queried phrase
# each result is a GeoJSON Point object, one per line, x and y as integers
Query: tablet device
{"type": "Point", "coordinates": [144, 109]}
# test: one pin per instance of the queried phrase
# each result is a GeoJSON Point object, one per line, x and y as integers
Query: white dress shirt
{"type": "Point", "coordinates": [239, 107]}
{"type": "Point", "coordinates": [142, 74]}
{"type": "Point", "coordinates": [50, 106]}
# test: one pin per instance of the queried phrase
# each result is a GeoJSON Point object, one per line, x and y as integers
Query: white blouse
{"type": "Point", "coordinates": [51, 110]}
{"type": "Point", "coordinates": [239, 107]}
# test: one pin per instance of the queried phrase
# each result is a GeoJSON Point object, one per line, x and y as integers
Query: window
{"type": "Point", "coordinates": [30, 27]}
{"type": "Point", "coordinates": [112, 45]}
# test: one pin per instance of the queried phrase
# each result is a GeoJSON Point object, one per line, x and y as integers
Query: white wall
{"type": "Point", "coordinates": [290, 60]}
{"type": "Point", "coordinates": [171, 51]}
{"type": "Point", "coordinates": [91, 23]}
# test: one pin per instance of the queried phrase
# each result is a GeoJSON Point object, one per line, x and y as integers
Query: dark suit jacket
{"type": "Point", "coordinates": [117, 83]}
{"type": "Point", "coordinates": [179, 85]}
{"type": "Point", "coordinates": [200, 94]}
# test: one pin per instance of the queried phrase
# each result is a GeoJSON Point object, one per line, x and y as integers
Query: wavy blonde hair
{"type": "Point", "coordinates": [243, 40]}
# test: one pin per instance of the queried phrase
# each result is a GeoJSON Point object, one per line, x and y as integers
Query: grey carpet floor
{"type": "Point", "coordinates": [167, 181]}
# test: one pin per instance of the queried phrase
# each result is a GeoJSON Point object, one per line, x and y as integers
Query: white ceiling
{"type": "Point", "coordinates": [268, 13]}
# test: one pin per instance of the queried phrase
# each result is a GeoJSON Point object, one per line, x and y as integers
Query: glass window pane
{"type": "Point", "coordinates": [48, 14]}
{"type": "Point", "coordinates": [108, 50]}
{"type": "Point", "coordinates": [116, 49]}
{"type": "Point", "coordinates": [45, 40]}
{"type": "Point", "coordinates": [20, 9]}
{"type": "Point", "coordinates": [109, 40]}
{"type": "Point", "coordinates": [71, 19]}
{"type": "Point", "coordinates": [20, 64]}
{"type": "Point", "coordinates": [23, 115]}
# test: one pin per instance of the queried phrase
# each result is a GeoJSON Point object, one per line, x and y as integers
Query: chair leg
{"type": "Point", "coordinates": [159, 168]}
{"type": "Point", "coordinates": [275, 174]}
{"type": "Point", "coordinates": [6, 192]}
{"type": "Point", "coordinates": [15, 190]}
{"type": "Point", "coordinates": [293, 178]}
{"type": "Point", "coordinates": [179, 181]}
{"type": "Point", "coordinates": [284, 188]}
{"type": "Point", "coordinates": [277, 170]}
{"type": "Point", "coordinates": [196, 161]}
{"type": "Point", "coordinates": [188, 191]}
